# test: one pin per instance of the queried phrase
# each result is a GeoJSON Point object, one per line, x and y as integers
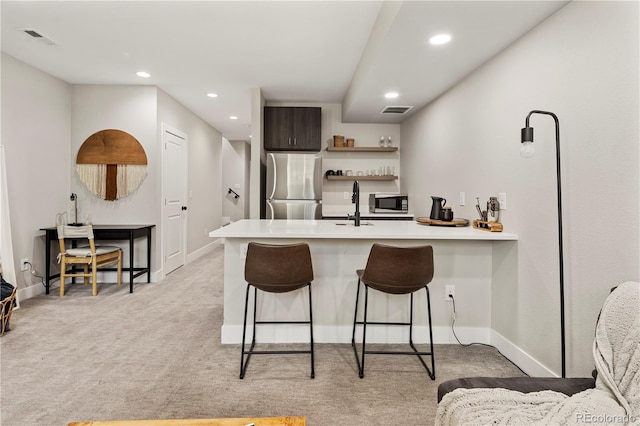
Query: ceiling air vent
{"type": "Point", "coordinates": [395, 109]}
{"type": "Point", "coordinates": [38, 36]}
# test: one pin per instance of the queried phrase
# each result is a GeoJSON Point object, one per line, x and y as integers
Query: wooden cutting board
{"type": "Point", "coordinates": [435, 222]}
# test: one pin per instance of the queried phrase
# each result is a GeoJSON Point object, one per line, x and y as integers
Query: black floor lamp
{"type": "Point", "coordinates": [526, 150]}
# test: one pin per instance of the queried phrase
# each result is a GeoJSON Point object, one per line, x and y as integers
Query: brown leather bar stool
{"type": "Point", "coordinates": [395, 270]}
{"type": "Point", "coordinates": [276, 269]}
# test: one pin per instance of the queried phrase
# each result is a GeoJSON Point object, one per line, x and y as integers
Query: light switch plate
{"type": "Point", "coordinates": [502, 199]}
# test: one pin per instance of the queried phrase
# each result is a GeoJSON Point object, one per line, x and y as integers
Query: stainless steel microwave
{"type": "Point", "coordinates": [388, 203]}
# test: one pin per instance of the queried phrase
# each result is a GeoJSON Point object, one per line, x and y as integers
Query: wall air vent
{"type": "Point", "coordinates": [395, 109]}
{"type": "Point", "coordinates": [36, 35]}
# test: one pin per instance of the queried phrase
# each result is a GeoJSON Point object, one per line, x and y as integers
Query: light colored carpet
{"type": "Point", "coordinates": [156, 354]}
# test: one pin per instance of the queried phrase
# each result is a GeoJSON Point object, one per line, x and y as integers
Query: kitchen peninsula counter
{"type": "Point", "coordinates": [477, 262]}
{"type": "Point", "coordinates": [341, 229]}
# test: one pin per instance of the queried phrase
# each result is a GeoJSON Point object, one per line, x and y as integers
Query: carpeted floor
{"type": "Point", "coordinates": [156, 354]}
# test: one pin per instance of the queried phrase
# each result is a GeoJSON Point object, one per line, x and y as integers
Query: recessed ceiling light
{"type": "Point", "coordinates": [440, 39]}
{"type": "Point", "coordinates": [391, 95]}
{"type": "Point", "coordinates": [233, 117]}
{"type": "Point", "coordinates": [212, 95]}
{"type": "Point", "coordinates": [143, 74]}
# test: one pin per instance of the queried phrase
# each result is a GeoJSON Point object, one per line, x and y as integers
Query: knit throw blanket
{"type": "Point", "coordinates": [614, 400]}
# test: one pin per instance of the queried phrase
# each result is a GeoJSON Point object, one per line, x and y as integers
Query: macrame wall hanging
{"type": "Point", "coordinates": [112, 164]}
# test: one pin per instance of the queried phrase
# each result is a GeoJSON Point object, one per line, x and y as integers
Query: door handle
{"type": "Point", "coordinates": [184, 207]}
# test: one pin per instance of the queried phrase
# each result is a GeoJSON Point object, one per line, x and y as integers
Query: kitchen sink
{"type": "Point", "coordinates": [351, 223]}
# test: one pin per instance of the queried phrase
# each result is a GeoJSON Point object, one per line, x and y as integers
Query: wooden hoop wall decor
{"type": "Point", "coordinates": [112, 164]}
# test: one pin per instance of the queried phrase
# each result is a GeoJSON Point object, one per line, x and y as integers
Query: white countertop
{"type": "Point", "coordinates": [349, 209]}
{"type": "Point", "coordinates": [338, 229]}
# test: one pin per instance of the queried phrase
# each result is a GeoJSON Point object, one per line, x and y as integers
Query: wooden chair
{"type": "Point", "coordinates": [91, 257]}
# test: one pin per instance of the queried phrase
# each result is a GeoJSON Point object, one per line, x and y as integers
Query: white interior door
{"type": "Point", "coordinates": [174, 172]}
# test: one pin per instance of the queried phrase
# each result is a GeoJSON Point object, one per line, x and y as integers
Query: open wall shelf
{"type": "Point", "coordinates": [360, 178]}
{"type": "Point", "coordinates": [363, 149]}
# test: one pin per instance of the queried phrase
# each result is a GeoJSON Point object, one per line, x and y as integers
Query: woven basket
{"type": "Point", "coordinates": [338, 140]}
{"type": "Point", "coordinates": [351, 143]}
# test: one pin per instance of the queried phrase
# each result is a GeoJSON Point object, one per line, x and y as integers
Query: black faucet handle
{"type": "Point", "coordinates": [355, 194]}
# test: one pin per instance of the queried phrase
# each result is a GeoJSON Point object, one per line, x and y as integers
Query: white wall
{"type": "Point", "coordinates": [204, 174]}
{"type": "Point", "coordinates": [257, 162]}
{"type": "Point", "coordinates": [36, 133]}
{"type": "Point", "coordinates": [235, 167]}
{"type": "Point", "coordinates": [45, 120]}
{"type": "Point", "coordinates": [582, 64]}
{"type": "Point", "coordinates": [132, 109]}
{"type": "Point", "coordinates": [364, 134]}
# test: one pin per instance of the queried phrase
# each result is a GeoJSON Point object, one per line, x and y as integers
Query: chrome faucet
{"type": "Point", "coordinates": [355, 198]}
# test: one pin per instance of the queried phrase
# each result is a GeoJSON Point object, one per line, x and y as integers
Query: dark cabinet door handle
{"type": "Point", "coordinates": [184, 207]}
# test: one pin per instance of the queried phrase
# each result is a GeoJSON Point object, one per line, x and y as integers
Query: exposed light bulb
{"type": "Point", "coordinates": [527, 150]}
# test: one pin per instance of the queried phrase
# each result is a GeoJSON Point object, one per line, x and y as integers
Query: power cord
{"type": "Point", "coordinates": [453, 322]}
{"type": "Point", "coordinates": [33, 272]}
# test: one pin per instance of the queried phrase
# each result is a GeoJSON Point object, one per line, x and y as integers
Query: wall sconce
{"type": "Point", "coordinates": [235, 194]}
{"type": "Point", "coordinates": [527, 151]}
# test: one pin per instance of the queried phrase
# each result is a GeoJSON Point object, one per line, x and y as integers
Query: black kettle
{"type": "Point", "coordinates": [436, 207]}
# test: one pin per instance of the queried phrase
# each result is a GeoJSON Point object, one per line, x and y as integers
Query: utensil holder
{"type": "Point", "coordinates": [485, 225]}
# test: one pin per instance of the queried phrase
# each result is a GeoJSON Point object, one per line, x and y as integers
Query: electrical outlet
{"type": "Point", "coordinates": [346, 195]}
{"type": "Point", "coordinates": [243, 250]}
{"type": "Point", "coordinates": [24, 264]}
{"type": "Point", "coordinates": [502, 199]}
{"type": "Point", "coordinates": [461, 202]}
{"type": "Point", "coordinates": [449, 290]}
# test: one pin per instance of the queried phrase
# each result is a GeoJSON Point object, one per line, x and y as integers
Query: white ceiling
{"type": "Point", "coordinates": [348, 52]}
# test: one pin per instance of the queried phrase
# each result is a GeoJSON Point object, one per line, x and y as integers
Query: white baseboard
{"type": "Point", "coordinates": [202, 251]}
{"type": "Point", "coordinates": [32, 291]}
{"type": "Point", "coordinates": [523, 360]}
{"type": "Point", "coordinates": [232, 334]}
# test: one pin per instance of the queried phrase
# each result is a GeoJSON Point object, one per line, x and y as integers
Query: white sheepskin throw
{"type": "Point", "coordinates": [614, 400]}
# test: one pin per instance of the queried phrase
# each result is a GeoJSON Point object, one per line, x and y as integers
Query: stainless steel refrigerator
{"type": "Point", "coordinates": [294, 186]}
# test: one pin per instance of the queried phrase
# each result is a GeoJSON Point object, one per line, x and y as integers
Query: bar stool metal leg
{"type": "Point", "coordinates": [353, 334]}
{"type": "Point", "coordinates": [276, 269]}
{"type": "Point", "coordinates": [244, 333]}
{"type": "Point", "coordinates": [432, 371]}
{"type": "Point", "coordinates": [313, 372]}
{"type": "Point", "coordinates": [245, 362]}
{"type": "Point", "coordinates": [433, 362]}
{"type": "Point", "coordinates": [360, 359]}
{"type": "Point", "coordinates": [364, 329]}
{"type": "Point", "coordinates": [395, 271]}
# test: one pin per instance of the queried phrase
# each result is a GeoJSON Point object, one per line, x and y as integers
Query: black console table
{"type": "Point", "coordinates": [107, 232]}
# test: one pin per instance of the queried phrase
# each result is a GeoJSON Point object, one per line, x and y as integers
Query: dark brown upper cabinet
{"type": "Point", "coordinates": [292, 128]}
